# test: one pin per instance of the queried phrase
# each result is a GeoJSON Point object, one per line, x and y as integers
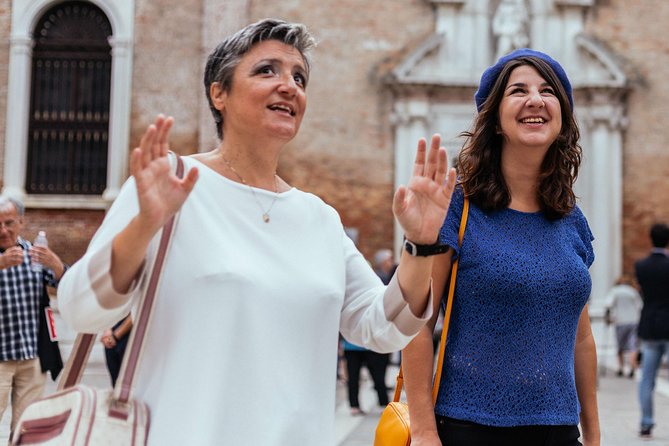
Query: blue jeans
{"type": "Point", "coordinates": [652, 352]}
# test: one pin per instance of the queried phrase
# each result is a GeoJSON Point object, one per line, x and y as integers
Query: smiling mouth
{"type": "Point", "coordinates": [282, 108]}
{"type": "Point", "coordinates": [533, 120]}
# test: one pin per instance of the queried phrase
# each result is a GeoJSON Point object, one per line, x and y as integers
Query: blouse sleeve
{"type": "Point", "coordinates": [448, 235]}
{"type": "Point", "coordinates": [85, 291]}
{"type": "Point", "coordinates": [585, 237]}
{"type": "Point", "coordinates": [375, 316]}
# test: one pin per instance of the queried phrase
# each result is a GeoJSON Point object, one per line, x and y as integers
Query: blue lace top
{"type": "Point", "coordinates": [521, 286]}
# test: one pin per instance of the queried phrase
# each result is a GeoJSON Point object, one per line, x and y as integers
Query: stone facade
{"type": "Point", "coordinates": [345, 152]}
{"type": "Point", "coordinates": [625, 28]}
{"type": "Point", "coordinates": [5, 26]}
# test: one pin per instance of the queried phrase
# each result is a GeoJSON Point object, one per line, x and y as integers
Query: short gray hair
{"type": "Point", "coordinates": [18, 204]}
{"type": "Point", "coordinates": [382, 255]}
{"type": "Point", "coordinates": [222, 62]}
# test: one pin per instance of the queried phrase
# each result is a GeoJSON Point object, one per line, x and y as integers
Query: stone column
{"type": "Point", "coordinates": [410, 119]}
{"type": "Point", "coordinates": [18, 108]}
{"type": "Point", "coordinates": [119, 116]}
{"type": "Point", "coordinates": [605, 123]}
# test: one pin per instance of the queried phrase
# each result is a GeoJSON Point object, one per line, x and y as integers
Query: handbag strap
{"type": "Point", "coordinates": [447, 316]}
{"type": "Point", "coordinates": [84, 342]}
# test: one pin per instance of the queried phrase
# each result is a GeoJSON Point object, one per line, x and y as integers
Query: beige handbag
{"type": "Point", "coordinates": [78, 415]}
{"type": "Point", "coordinates": [394, 428]}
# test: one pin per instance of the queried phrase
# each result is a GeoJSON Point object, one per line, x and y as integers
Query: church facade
{"type": "Point", "coordinates": [81, 80]}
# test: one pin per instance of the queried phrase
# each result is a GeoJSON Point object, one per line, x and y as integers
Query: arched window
{"type": "Point", "coordinates": [68, 128]}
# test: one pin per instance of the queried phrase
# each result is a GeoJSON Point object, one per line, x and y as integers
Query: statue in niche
{"type": "Point", "coordinates": [510, 26]}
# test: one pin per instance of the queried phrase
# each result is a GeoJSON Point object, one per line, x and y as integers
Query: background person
{"type": "Point", "coordinates": [384, 265]}
{"type": "Point", "coordinates": [652, 273]}
{"type": "Point", "coordinates": [376, 363]}
{"type": "Point", "coordinates": [260, 277]}
{"type": "Point", "coordinates": [520, 361]}
{"type": "Point", "coordinates": [115, 340]}
{"type": "Point", "coordinates": [21, 293]}
{"type": "Point", "coordinates": [623, 308]}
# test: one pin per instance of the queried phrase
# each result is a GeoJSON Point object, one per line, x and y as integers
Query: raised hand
{"type": "Point", "coordinates": [48, 258]}
{"type": "Point", "coordinates": [11, 257]}
{"type": "Point", "coordinates": [160, 192]}
{"type": "Point", "coordinates": [421, 206]}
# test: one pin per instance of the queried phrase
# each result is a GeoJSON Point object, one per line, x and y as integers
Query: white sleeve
{"type": "Point", "coordinates": [375, 316]}
{"type": "Point", "coordinates": [88, 282]}
{"type": "Point", "coordinates": [610, 298]}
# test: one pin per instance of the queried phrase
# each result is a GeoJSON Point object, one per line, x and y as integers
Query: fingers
{"type": "Point", "coordinates": [419, 162]}
{"type": "Point", "coordinates": [190, 179]}
{"type": "Point", "coordinates": [441, 165]}
{"type": "Point", "coordinates": [449, 184]}
{"type": "Point", "coordinates": [433, 157]}
{"type": "Point", "coordinates": [155, 145]}
{"type": "Point", "coordinates": [162, 137]}
{"type": "Point", "coordinates": [136, 161]}
{"type": "Point", "coordinates": [398, 200]}
{"type": "Point", "coordinates": [13, 256]}
{"type": "Point", "coordinates": [430, 163]}
{"type": "Point", "coordinates": [154, 142]}
{"type": "Point", "coordinates": [146, 143]}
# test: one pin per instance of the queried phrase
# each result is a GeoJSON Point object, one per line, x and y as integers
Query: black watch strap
{"type": "Point", "coordinates": [424, 250]}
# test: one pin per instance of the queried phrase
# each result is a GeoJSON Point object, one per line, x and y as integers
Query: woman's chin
{"type": "Point", "coordinates": [284, 133]}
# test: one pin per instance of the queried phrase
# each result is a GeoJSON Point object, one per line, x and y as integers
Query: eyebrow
{"type": "Point", "coordinates": [523, 84]}
{"type": "Point", "coordinates": [277, 61]}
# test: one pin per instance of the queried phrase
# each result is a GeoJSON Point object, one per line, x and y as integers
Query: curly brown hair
{"type": "Point", "coordinates": [479, 162]}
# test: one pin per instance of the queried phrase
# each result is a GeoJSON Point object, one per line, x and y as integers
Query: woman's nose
{"type": "Point", "coordinates": [287, 84]}
{"type": "Point", "coordinates": [535, 99]}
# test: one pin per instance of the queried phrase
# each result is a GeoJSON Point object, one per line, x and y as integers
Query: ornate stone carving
{"type": "Point", "coordinates": [510, 26]}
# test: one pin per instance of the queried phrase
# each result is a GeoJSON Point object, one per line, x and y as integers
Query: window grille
{"type": "Point", "coordinates": [69, 107]}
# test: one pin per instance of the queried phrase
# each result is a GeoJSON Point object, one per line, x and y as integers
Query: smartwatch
{"type": "Point", "coordinates": [424, 250]}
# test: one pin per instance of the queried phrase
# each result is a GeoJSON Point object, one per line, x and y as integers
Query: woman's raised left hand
{"type": "Point", "coordinates": [421, 206]}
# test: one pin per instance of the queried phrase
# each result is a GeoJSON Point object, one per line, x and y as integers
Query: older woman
{"type": "Point", "coordinates": [519, 365]}
{"type": "Point", "coordinates": [260, 276]}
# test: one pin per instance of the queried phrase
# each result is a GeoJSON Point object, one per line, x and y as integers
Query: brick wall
{"type": "Point", "coordinates": [644, 53]}
{"type": "Point", "coordinates": [167, 69]}
{"type": "Point", "coordinates": [344, 150]}
{"type": "Point", "coordinates": [68, 232]}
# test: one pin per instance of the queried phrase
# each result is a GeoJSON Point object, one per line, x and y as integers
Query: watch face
{"type": "Point", "coordinates": [424, 250]}
{"type": "Point", "coordinates": [410, 247]}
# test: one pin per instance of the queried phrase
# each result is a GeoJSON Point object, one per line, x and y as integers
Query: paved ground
{"type": "Point", "coordinates": [619, 409]}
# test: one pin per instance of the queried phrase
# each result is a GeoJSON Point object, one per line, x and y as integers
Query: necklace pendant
{"type": "Point", "coordinates": [265, 217]}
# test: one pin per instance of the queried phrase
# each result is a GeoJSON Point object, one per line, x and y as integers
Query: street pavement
{"type": "Point", "coordinates": [618, 408]}
{"type": "Point", "coordinates": [618, 411]}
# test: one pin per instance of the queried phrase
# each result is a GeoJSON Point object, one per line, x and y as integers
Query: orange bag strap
{"type": "Point", "coordinates": [447, 317]}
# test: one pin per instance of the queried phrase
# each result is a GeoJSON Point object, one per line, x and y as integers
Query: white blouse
{"type": "Point", "coordinates": [242, 346]}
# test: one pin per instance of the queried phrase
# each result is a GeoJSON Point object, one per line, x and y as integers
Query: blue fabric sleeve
{"type": "Point", "coordinates": [448, 235]}
{"type": "Point", "coordinates": [585, 251]}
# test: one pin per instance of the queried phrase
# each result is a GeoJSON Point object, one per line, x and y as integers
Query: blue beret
{"type": "Point", "coordinates": [491, 74]}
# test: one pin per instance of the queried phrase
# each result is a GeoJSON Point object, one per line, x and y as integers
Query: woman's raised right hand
{"type": "Point", "coordinates": [160, 192]}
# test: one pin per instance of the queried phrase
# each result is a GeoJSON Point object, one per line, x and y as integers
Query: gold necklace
{"type": "Point", "coordinates": [265, 213]}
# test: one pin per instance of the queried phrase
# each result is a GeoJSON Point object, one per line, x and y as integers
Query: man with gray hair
{"type": "Point", "coordinates": [384, 265]}
{"type": "Point", "coordinates": [21, 290]}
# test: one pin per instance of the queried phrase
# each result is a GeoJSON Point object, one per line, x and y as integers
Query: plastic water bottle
{"type": "Point", "coordinates": [40, 240]}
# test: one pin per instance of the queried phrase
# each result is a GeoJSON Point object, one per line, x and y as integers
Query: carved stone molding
{"type": "Point", "coordinates": [24, 17]}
